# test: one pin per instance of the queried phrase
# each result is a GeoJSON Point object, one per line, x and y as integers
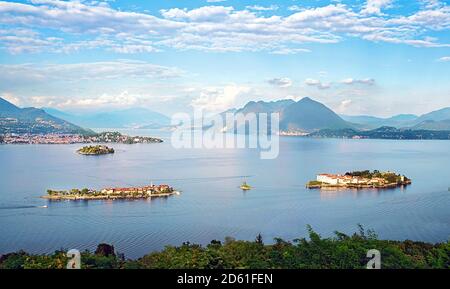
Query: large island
{"type": "Point", "coordinates": [112, 193]}
{"type": "Point", "coordinates": [359, 180]}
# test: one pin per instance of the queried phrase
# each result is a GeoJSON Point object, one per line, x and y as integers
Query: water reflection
{"type": "Point", "coordinates": [212, 206]}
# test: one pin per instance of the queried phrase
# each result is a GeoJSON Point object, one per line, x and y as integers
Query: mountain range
{"type": "Point", "coordinates": [435, 120]}
{"type": "Point", "coordinates": [127, 118]}
{"type": "Point", "coordinates": [303, 116]}
{"type": "Point", "coordinates": [307, 115]}
{"type": "Point", "coordinates": [33, 120]}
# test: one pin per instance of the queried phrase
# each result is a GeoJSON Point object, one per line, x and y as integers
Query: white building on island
{"type": "Point", "coordinates": [342, 179]}
{"type": "Point", "coordinates": [328, 179]}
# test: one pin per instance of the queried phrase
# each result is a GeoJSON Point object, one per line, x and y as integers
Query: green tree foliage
{"type": "Point", "coordinates": [96, 150]}
{"type": "Point", "coordinates": [340, 251]}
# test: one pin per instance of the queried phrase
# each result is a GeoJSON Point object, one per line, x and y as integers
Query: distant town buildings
{"type": "Point", "coordinates": [104, 137]}
{"type": "Point", "coordinates": [149, 190]}
{"type": "Point", "coordinates": [43, 139]}
{"type": "Point", "coordinates": [112, 193]}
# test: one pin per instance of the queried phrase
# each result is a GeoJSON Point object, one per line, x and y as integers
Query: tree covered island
{"type": "Point", "coordinates": [359, 180]}
{"type": "Point", "coordinates": [95, 150]}
{"type": "Point", "coordinates": [112, 193]}
{"type": "Point", "coordinates": [117, 137]}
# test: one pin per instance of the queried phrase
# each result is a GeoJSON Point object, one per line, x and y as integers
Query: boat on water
{"type": "Point", "coordinates": [245, 186]}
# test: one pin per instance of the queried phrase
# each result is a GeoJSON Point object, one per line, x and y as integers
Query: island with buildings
{"type": "Point", "coordinates": [144, 192]}
{"type": "Point", "coordinates": [359, 180]}
{"type": "Point", "coordinates": [95, 150]}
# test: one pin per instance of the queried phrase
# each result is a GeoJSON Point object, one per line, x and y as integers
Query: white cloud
{"type": "Point", "coordinates": [218, 99]}
{"type": "Point", "coordinates": [317, 83]}
{"type": "Point", "coordinates": [11, 98]}
{"type": "Point", "coordinates": [104, 96]}
{"type": "Point", "coordinates": [319, 13]}
{"type": "Point", "coordinates": [280, 82]}
{"type": "Point", "coordinates": [350, 81]}
{"type": "Point", "coordinates": [388, 38]}
{"type": "Point", "coordinates": [288, 51]}
{"type": "Point", "coordinates": [444, 59]}
{"type": "Point", "coordinates": [211, 28]}
{"type": "Point", "coordinates": [295, 8]}
{"type": "Point", "coordinates": [87, 71]}
{"type": "Point", "coordinates": [28, 41]}
{"type": "Point", "coordinates": [120, 100]}
{"type": "Point", "coordinates": [430, 4]}
{"type": "Point", "coordinates": [375, 6]}
{"type": "Point", "coordinates": [344, 105]}
{"type": "Point", "coordinates": [202, 14]}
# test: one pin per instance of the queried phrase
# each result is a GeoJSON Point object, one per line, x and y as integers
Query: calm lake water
{"type": "Point", "coordinates": [211, 205]}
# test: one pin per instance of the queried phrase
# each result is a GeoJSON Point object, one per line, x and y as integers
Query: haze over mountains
{"type": "Point", "coordinates": [127, 118]}
{"type": "Point", "coordinates": [435, 120]}
{"type": "Point", "coordinates": [370, 122]}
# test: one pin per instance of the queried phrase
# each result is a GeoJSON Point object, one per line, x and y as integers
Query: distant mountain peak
{"type": "Point", "coordinates": [126, 118]}
{"type": "Point", "coordinates": [436, 115]}
{"type": "Point", "coordinates": [304, 115]}
{"type": "Point", "coordinates": [265, 106]}
{"type": "Point", "coordinates": [33, 120]}
{"type": "Point", "coordinates": [7, 106]}
{"type": "Point", "coordinates": [306, 98]}
{"type": "Point", "coordinates": [309, 115]}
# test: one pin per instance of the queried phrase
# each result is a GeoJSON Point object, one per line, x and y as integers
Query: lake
{"type": "Point", "coordinates": [211, 205]}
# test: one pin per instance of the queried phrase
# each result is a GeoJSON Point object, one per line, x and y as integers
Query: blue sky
{"type": "Point", "coordinates": [377, 57]}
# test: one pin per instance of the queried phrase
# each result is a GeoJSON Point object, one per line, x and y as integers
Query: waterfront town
{"type": "Point", "coordinates": [144, 192]}
{"type": "Point", "coordinates": [104, 137]}
{"type": "Point", "coordinates": [359, 179]}
{"type": "Point", "coordinates": [42, 139]}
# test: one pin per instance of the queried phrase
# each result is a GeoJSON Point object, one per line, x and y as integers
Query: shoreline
{"type": "Point", "coordinates": [359, 180]}
{"type": "Point", "coordinates": [98, 138]}
{"type": "Point", "coordinates": [358, 187]}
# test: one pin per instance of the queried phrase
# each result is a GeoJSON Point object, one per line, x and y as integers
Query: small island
{"type": "Point", "coordinates": [359, 180]}
{"type": "Point", "coordinates": [144, 192]}
{"type": "Point", "coordinates": [95, 150]}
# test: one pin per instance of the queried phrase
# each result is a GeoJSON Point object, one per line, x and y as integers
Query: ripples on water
{"type": "Point", "coordinates": [211, 205]}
